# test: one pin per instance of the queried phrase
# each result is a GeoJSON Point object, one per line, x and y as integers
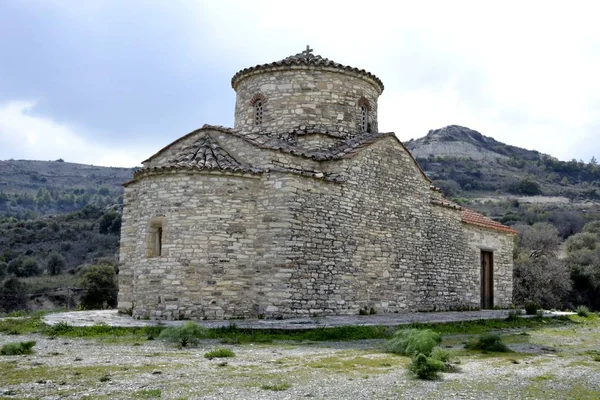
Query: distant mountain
{"type": "Point", "coordinates": [463, 162]}
{"type": "Point", "coordinates": [458, 141]}
{"type": "Point", "coordinates": [30, 188]}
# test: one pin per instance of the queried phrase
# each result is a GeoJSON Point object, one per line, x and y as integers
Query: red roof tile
{"type": "Point", "coordinates": [474, 218]}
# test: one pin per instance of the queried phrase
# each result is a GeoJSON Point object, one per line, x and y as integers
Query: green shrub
{"type": "Point", "coordinates": [531, 308]}
{"type": "Point", "coordinates": [100, 287]}
{"type": "Point", "coordinates": [440, 354]}
{"type": "Point", "coordinates": [13, 295]}
{"type": "Point", "coordinates": [411, 342]}
{"type": "Point", "coordinates": [219, 353]}
{"type": "Point", "coordinates": [488, 342]}
{"type": "Point", "coordinates": [13, 349]}
{"type": "Point", "coordinates": [583, 311]}
{"type": "Point", "coordinates": [188, 334]}
{"type": "Point", "coordinates": [513, 315]}
{"type": "Point", "coordinates": [425, 367]}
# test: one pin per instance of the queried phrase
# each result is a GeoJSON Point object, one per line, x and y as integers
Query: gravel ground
{"type": "Point", "coordinates": [550, 363]}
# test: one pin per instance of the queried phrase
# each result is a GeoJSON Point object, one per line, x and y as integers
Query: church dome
{"type": "Point", "coordinates": [306, 92]}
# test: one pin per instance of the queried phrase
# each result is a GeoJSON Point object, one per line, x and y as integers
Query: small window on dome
{"type": "Point", "coordinates": [258, 112]}
{"type": "Point", "coordinates": [364, 118]}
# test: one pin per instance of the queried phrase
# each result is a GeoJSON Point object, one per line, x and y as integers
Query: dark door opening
{"type": "Point", "coordinates": [487, 279]}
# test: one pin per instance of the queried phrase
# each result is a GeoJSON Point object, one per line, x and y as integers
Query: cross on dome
{"type": "Point", "coordinates": [307, 51]}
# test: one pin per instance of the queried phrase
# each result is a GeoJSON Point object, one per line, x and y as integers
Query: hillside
{"type": "Point", "coordinates": [30, 188]}
{"type": "Point", "coordinates": [463, 162]}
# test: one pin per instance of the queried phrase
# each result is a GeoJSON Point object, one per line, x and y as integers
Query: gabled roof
{"type": "Point", "coordinates": [474, 218]}
{"type": "Point", "coordinates": [206, 153]}
{"type": "Point", "coordinates": [305, 58]}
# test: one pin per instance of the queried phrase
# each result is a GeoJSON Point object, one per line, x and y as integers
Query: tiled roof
{"type": "Point", "coordinates": [204, 154]}
{"type": "Point", "coordinates": [474, 218]}
{"type": "Point", "coordinates": [345, 149]}
{"type": "Point", "coordinates": [300, 59]}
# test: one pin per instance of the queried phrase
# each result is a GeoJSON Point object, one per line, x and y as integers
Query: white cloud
{"type": "Point", "coordinates": [24, 135]}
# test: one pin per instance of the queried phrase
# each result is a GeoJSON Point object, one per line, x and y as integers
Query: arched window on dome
{"type": "Point", "coordinates": [365, 108]}
{"type": "Point", "coordinates": [258, 116]}
{"type": "Point", "coordinates": [258, 102]}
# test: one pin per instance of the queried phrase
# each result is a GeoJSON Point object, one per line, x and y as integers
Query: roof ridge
{"type": "Point", "coordinates": [304, 58]}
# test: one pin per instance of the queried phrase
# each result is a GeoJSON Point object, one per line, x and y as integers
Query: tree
{"type": "Point", "coordinates": [30, 267]}
{"type": "Point", "coordinates": [110, 222]}
{"type": "Point", "coordinates": [539, 276]}
{"type": "Point", "coordinates": [3, 270]}
{"type": "Point", "coordinates": [583, 259]}
{"type": "Point", "coordinates": [56, 263]}
{"type": "Point", "coordinates": [100, 287]}
{"type": "Point", "coordinates": [13, 295]}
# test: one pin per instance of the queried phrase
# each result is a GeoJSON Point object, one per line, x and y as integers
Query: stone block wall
{"type": "Point", "coordinates": [280, 244]}
{"type": "Point", "coordinates": [306, 97]}
{"type": "Point", "coordinates": [501, 245]}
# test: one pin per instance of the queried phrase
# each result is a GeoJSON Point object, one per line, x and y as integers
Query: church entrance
{"type": "Point", "coordinates": [487, 280]}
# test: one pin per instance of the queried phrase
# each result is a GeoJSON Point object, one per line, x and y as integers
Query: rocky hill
{"type": "Point", "coordinates": [465, 162]}
{"type": "Point", "coordinates": [460, 142]}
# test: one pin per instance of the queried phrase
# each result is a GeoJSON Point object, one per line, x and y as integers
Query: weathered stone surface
{"type": "Point", "coordinates": [261, 222]}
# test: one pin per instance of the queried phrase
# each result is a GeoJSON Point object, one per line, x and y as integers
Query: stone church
{"type": "Point", "coordinates": [303, 208]}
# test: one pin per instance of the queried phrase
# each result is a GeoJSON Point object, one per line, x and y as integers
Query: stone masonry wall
{"type": "Point", "coordinates": [304, 96]}
{"type": "Point", "coordinates": [280, 244]}
{"type": "Point", "coordinates": [501, 244]}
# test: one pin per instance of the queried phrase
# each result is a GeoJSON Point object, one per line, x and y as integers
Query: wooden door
{"type": "Point", "coordinates": [487, 280]}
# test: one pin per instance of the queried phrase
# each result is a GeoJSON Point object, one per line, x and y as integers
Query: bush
{"type": "Point", "coordinates": [3, 269]}
{"type": "Point", "coordinates": [411, 342]}
{"type": "Point", "coordinates": [13, 349]}
{"type": "Point", "coordinates": [219, 353]}
{"type": "Point", "coordinates": [488, 342]}
{"type": "Point", "coordinates": [531, 308]}
{"type": "Point", "coordinates": [56, 263]}
{"type": "Point", "coordinates": [583, 311]}
{"type": "Point", "coordinates": [188, 334]}
{"type": "Point", "coordinates": [513, 315]}
{"type": "Point", "coordinates": [100, 287]}
{"type": "Point", "coordinates": [440, 354]}
{"type": "Point", "coordinates": [425, 367]}
{"type": "Point", "coordinates": [13, 295]}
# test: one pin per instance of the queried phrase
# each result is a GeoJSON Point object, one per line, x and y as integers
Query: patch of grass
{"type": "Point", "coordinates": [410, 342]}
{"type": "Point", "coordinates": [219, 353]}
{"type": "Point", "coordinates": [582, 311]}
{"type": "Point", "coordinates": [234, 335]}
{"type": "Point", "coordinates": [147, 393]}
{"type": "Point", "coordinates": [188, 334]}
{"type": "Point", "coordinates": [17, 348]}
{"type": "Point", "coordinates": [488, 342]}
{"type": "Point", "coordinates": [22, 325]}
{"type": "Point", "coordinates": [352, 363]}
{"type": "Point", "coordinates": [276, 387]}
{"type": "Point", "coordinates": [541, 378]}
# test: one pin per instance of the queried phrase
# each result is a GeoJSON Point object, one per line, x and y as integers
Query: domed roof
{"type": "Point", "coordinates": [304, 58]}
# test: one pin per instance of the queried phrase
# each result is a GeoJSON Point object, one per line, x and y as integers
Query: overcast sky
{"type": "Point", "coordinates": [110, 82]}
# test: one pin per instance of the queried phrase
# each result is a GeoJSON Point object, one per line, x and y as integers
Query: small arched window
{"type": "Point", "coordinates": [365, 108]}
{"type": "Point", "coordinates": [258, 110]}
{"type": "Point", "coordinates": [258, 102]}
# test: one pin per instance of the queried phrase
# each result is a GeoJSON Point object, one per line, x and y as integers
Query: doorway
{"type": "Point", "coordinates": [487, 280]}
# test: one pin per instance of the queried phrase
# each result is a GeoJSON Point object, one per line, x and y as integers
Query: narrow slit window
{"type": "Point", "coordinates": [258, 116]}
{"type": "Point", "coordinates": [364, 118]}
{"type": "Point", "coordinates": [158, 246]}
